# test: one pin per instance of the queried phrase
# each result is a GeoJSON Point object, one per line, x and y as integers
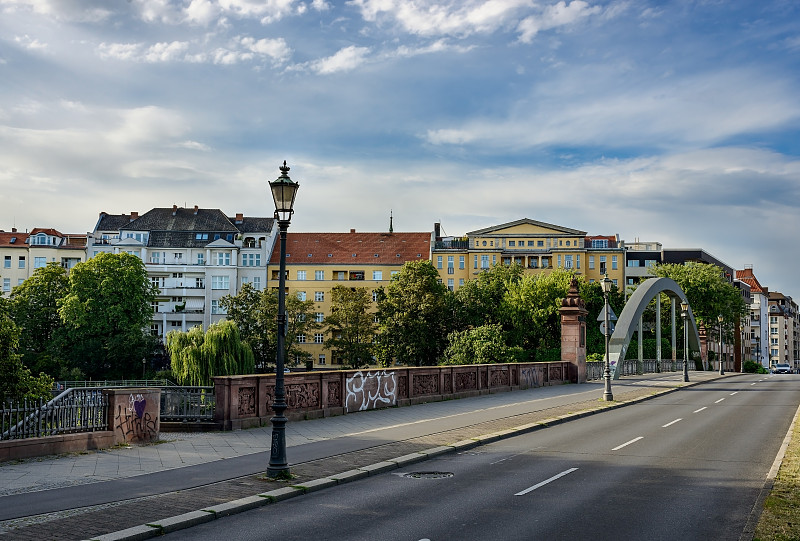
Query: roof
{"type": "Point", "coordinates": [254, 225]}
{"type": "Point", "coordinates": [526, 221]}
{"type": "Point", "coordinates": [350, 248]}
{"type": "Point", "coordinates": [19, 239]}
{"type": "Point", "coordinates": [181, 219]}
{"type": "Point", "coordinates": [47, 231]}
{"type": "Point", "coordinates": [750, 279]}
{"type": "Point", "coordinates": [112, 222]}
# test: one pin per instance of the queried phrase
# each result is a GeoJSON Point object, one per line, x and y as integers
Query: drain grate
{"type": "Point", "coordinates": [428, 475]}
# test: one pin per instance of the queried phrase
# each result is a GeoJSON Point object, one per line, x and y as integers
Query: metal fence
{"type": "Point", "coordinates": [187, 404]}
{"type": "Point", "coordinates": [62, 385]}
{"type": "Point", "coordinates": [631, 367]}
{"type": "Point", "coordinates": [74, 410]}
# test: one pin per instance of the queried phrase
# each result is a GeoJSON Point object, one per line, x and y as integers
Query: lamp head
{"type": "Point", "coordinates": [284, 190]}
{"type": "Point", "coordinates": [606, 284]}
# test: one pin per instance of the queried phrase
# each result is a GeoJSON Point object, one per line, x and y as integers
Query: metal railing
{"type": "Point", "coordinates": [631, 367]}
{"type": "Point", "coordinates": [62, 385]}
{"type": "Point", "coordinates": [74, 410]}
{"type": "Point", "coordinates": [187, 404]}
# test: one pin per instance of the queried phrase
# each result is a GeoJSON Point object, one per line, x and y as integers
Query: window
{"type": "Point", "coordinates": [773, 330]}
{"type": "Point", "coordinates": [301, 295]}
{"type": "Point", "coordinates": [319, 317]}
{"type": "Point", "coordinates": [223, 258]}
{"type": "Point", "coordinates": [484, 261]}
{"type": "Point", "coordinates": [613, 262]}
{"type": "Point", "coordinates": [7, 262]}
{"type": "Point", "coordinates": [22, 261]}
{"type": "Point", "coordinates": [615, 282]}
{"type": "Point", "coordinates": [356, 275]}
{"type": "Point", "coordinates": [200, 259]}
{"type": "Point", "coordinates": [251, 260]}
{"type": "Point", "coordinates": [200, 283]}
{"type": "Point", "coordinates": [545, 262]}
{"type": "Point", "coordinates": [633, 262]}
{"type": "Point", "coordinates": [321, 358]}
{"type": "Point", "coordinates": [301, 275]}
{"type": "Point", "coordinates": [6, 284]}
{"type": "Point", "coordinates": [244, 280]}
{"type": "Point", "coordinates": [155, 257]}
{"type": "Point", "coordinates": [567, 261]}
{"type": "Point", "coordinates": [591, 262]}
{"type": "Point", "coordinates": [599, 243]}
{"type": "Point", "coordinates": [301, 338]}
{"type": "Point", "coordinates": [450, 284]}
{"type": "Point", "coordinates": [319, 296]}
{"type": "Point", "coordinates": [257, 283]}
{"type": "Point", "coordinates": [374, 296]}
{"type": "Point", "coordinates": [438, 261]}
{"type": "Point", "coordinates": [157, 281]}
{"type": "Point", "coordinates": [773, 341]}
{"type": "Point", "coordinates": [215, 306]}
{"type": "Point", "coordinates": [394, 273]}
{"type": "Point", "coordinates": [319, 338]}
{"type": "Point", "coordinates": [220, 282]}
{"type": "Point", "coordinates": [319, 275]}
{"type": "Point", "coordinates": [301, 317]}
{"type": "Point", "coordinates": [578, 261]}
{"type": "Point", "coordinates": [461, 262]}
{"type": "Point", "coordinates": [178, 255]}
{"type": "Point", "coordinates": [201, 236]}
{"type": "Point", "coordinates": [602, 264]}
{"type": "Point", "coordinates": [475, 262]}
{"type": "Point", "coordinates": [567, 243]}
{"type": "Point", "coordinates": [377, 275]}
{"type": "Point", "coordinates": [460, 282]}
{"type": "Point", "coordinates": [540, 244]}
{"type": "Point", "coordinates": [559, 261]}
{"type": "Point", "coordinates": [773, 320]}
{"type": "Point", "coordinates": [512, 244]}
{"type": "Point", "coordinates": [177, 275]}
{"type": "Point", "coordinates": [39, 262]}
{"type": "Point", "coordinates": [450, 262]}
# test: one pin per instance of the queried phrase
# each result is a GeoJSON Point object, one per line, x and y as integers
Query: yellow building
{"type": "Point", "coordinates": [316, 262]}
{"type": "Point", "coordinates": [537, 246]}
{"type": "Point", "coordinates": [22, 253]}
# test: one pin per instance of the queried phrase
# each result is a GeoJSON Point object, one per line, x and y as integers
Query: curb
{"type": "Point", "coordinates": [193, 518]}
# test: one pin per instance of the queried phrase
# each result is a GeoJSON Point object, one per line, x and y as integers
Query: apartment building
{"type": "Point", "coordinates": [639, 257]}
{"type": "Point", "coordinates": [759, 316]}
{"type": "Point", "coordinates": [22, 253]}
{"type": "Point", "coordinates": [317, 262]}
{"type": "Point", "coordinates": [539, 247]}
{"type": "Point", "coordinates": [194, 256]}
{"type": "Point", "coordinates": [783, 330]}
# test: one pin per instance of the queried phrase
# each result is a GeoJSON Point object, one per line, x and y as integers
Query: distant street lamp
{"type": "Point", "coordinates": [606, 284]}
{"type": "Point", "coordinates": [721, 343]}
{"type": "Point", "coordinates": [685, 315]}
{"type": "Point", "coordinates": [283, 194]}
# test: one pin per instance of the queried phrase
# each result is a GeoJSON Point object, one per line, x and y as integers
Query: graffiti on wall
{"type": "Point", "coordinates": [134, 422]}
{"type": "Point", "coordinates": [530, 375]}
{"type": "Point", "coordinates": [371, 390]}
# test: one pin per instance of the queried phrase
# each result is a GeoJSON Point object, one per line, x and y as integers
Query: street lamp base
{"type": "Point", "coordinates": [608, 397]}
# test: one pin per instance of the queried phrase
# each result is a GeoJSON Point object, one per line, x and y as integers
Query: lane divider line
{"type": "Point", "coordinates": [672, 423]}
{"type": "Point", "coordinates": [734, 392]}
{"type": "Point", "coordinates": [634, 440]}
{"type": "Point", "coordinates": [534, 487]}
{"type": "Point", "coordinates": [720, 400]}
{"type": "Point", "coordinates": [701, 409]}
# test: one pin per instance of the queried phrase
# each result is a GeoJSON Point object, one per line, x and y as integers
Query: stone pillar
{"type": "Point", "coordinates": [134, 414]}
{"type": "Point", "coordinates": [573, 333]}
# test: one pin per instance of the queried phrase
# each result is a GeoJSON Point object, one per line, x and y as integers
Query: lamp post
{"type": "Point", "coordinates": [283, 192]}
{"type": "Point", "coordinates": [685, 315]}
{"type": "Point", "coordinates": [721, 343]}
{"type": "Point", "coordinates": [606, 284]}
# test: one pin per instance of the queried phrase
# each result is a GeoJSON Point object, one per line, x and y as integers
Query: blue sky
{"type": "Point", "coordinates": [664, 121]}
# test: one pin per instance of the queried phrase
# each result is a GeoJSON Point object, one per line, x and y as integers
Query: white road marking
{"type": "Point", "coordinates": [672, 423]}
{"type": "Point", "coordinates": [701, 409]}
{"type": "Point", "coordinates": [634, 440]}
{"type": "Point", "coordinates": [534, 487]}
{"type": "Point", "coordinates": [754, 382]}
{"type": "Point", "coordinates": [720, 400]}
{"type": "Point", "coordinates": [734, 392]}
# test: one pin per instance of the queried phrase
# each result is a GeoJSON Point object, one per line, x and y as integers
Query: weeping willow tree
{"type": "Point", "coordinates": [198, 356]}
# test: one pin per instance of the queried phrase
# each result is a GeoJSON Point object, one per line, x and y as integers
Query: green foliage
{"type": "Point", "coordinates": [197, 356]}
{"type": "Point", "coordinates": [16, 381]}
{"type": "Point", "coordinates": [480, 301]}
{"type": "Point", "coordinates": [414, 314]}
{"type": "Point", "coordinates": [480, 345]}
{"type": "Point", "coordinates": [595, 357]}
{"type": "Point", "coordinates": [106, 313]}
{"type": "Point", "coordinates": [649, 348]}
{"type": "Point", "coordinates": [350, 326]}
{"type": "Point", "coordinates": [34, 308]}
{"type": "Point", "coordinates": [752, 367]}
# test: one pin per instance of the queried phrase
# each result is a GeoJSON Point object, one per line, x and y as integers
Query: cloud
{"type": "Point", "coordinates": [554, 16]}
{"type": "Point", "coordinates": [346, 59]}
{"type": "Point", "coordinates": [32, 44]}
{"type": "Point", "coordinates": [91, 11]}
{"type": "Point", "coordinates": [241, 49]}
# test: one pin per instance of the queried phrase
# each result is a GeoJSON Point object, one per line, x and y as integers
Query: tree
{"type": "Point", "coordinates": [34, 309]}
{"type": "Point", "coordinates": [480, 345]}
{"type": "Point", "coordinates": [480, 301]}
{"type": "Point", "coordinates": [107, 313]}
{"type": "Point", "coordinates": [413, 314]}
{"type": "Point", "coordinates": [256, 315]}
{"type": "Point", "coordinates": [197, 356]}
{"type": "Point", "coordinates": [16, 381]}
{"type": "Point", "coordinates": [350, 326]}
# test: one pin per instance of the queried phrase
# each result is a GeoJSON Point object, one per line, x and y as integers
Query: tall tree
{"type": "Point", "coordinates": [480, 345]}
{"type": "Point", "coordinates": [413, 315]}
{"type": "Point", "coordinates": [479, 301]}
{"type": "Point", "coordinates": [34, 309]}
{"type": "Point", "coordinates": [197, 356]}
{"type": "Point", "coordinates": [350, 326]}
{"type": "Point", "coordinates": [16, 381]}
{"type": "Point", "coordinates": [107, 314]}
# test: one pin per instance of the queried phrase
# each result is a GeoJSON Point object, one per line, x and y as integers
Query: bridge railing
{"type": "Point", "coordinates": [74, 410]}
{"type": "Point", "coordinates": [187, 404]}
{"type": "Point", "coordinates": [632, 367]}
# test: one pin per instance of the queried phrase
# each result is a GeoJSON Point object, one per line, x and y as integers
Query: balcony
{"type": "Point", "coordinates": [451, 245]}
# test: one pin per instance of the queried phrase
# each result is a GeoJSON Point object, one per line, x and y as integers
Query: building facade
{"type": "Point", "coordinates": [193, 256]}
{"type": "Point", "coordinates": [759, 317]}
{"type": "Point", "coordinates": [22, 253]}
{"type": "Point", "coordinates": [537, 246]}
{"type": "Point", "coordinates": [783, 330]}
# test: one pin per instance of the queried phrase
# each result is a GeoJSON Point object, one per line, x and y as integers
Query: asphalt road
{"type": "Point", "coordinates": [687, 465]}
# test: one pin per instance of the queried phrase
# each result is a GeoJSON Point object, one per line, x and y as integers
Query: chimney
{"type": "Point", "coordinates": [239, 218]}
{"type": "Point", "coordinates": [437, 230]}
{"type": "Point", "coordinates": [352, 230]}
{"type": "Point", "coordinates": [134, 215]}
{"type": "Point", "coordinates": [195, 210]}
{"type": "Point", "coordinates": [174, 210]}
{"type": "Point", "coordinates": [13, 229]}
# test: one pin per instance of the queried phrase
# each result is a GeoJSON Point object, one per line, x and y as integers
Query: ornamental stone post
{"type": "Point", "coordinates": [573, 333]}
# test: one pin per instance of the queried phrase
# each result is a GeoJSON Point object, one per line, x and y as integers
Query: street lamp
{"type": "Point", "coordinates": [606, 284]}
{"type": "Point", "coordinates": [685, 315]}
{"type": "Point", "coordinates": [283, 192]}
{"type": "Point", "coordinates": [721, 355]}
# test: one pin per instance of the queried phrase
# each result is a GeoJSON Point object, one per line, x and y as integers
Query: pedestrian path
{"type": "Point", "coordinates": [179, 449]}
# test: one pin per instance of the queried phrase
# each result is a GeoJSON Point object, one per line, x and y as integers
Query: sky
{"type": "Point", "coordinates": [667, 121]}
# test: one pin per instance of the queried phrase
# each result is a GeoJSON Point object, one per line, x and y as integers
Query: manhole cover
{"type": "Point", "coordinates": [428, 475]}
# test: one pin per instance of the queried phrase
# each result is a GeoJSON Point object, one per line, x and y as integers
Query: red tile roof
{"type": "Point", "coordinates": [750, 279]}
{"type": "Point", "coordinates": [349, 248]}
{"type": "Point", "coordinates": [5, 239]}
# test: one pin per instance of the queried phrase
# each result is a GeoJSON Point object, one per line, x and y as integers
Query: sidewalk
{"type": "Point", "coordinates": [381, 436]}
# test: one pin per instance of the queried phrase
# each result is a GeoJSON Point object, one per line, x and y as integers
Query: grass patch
{"type": "Point", "coordinates": [780, 520]}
